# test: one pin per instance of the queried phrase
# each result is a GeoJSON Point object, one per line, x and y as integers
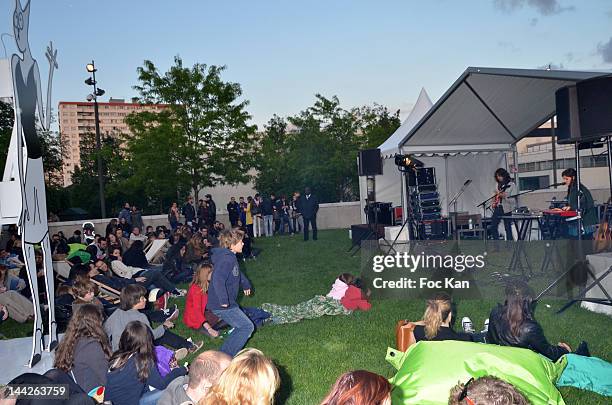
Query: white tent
{"type": "Point", "coordinates": [470, 129]}
{"type": "Point", "coordinates": [387, 185]}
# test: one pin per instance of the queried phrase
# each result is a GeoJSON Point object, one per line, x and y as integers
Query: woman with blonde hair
{"type": "Point", "coordinates": [250, 379]}
{"type": "Point", "coordinates": [437, 320]}
{"type": "Point", "coordinates": [195, 316]}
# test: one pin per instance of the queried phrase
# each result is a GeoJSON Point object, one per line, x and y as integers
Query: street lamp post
{"type": "Point", "coordinates": [91, 81]}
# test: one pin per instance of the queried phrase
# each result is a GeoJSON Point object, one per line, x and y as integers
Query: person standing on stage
{"type": "Point", "coordinates": [502, 204]}
{"type": "Point", "coordinates": [309, 206]}
{"type": "Point", "coordinates": [587, 206]}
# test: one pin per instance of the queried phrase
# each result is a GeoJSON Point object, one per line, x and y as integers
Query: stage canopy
{"type": "Point", "coordinates": [489, 109]}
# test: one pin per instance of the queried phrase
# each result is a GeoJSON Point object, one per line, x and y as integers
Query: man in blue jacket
{"type": "Point", "coordinates": [226, 280]}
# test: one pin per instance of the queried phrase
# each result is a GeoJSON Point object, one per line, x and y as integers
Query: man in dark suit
{"type": "Point", "coordinates": [309, 206]}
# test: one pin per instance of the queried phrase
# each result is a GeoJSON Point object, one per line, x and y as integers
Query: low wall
{"type": "Point", "coordinates": [330, 216]}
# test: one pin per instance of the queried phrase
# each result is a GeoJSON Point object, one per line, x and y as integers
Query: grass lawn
{"type": "Point", "coordinates": [312, 354]}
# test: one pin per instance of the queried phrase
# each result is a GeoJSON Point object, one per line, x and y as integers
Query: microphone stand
{"type": "Point", "coordinates": [453, 202]}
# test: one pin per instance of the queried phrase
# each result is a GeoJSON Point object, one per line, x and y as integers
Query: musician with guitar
{"type": "Point", "coordinates": [502, 205]}
{"type": "Point", "coordinates": [587, 206]}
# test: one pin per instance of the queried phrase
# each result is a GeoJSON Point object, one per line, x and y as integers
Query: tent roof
{"type": "Point", "coordinates": [489, 109]}
{"type": "Point", "coordinates": [422, 105]}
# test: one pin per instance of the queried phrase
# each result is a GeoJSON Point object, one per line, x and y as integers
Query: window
{"type": "Point", "coordinates": [534, 182]}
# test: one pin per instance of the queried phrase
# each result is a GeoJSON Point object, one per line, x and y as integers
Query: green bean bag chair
{"type": "Point", "coordinates": [428, 370]}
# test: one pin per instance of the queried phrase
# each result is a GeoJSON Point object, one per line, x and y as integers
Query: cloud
{"type": "Point", "coordinates": [543, 7]}
{"type": "Point", "coordinates": [605, 50]}
{"type": "Point", "coordinates": [533, 22]}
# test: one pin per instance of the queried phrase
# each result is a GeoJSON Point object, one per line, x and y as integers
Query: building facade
{"type": "Point", "coordinates": [76, 119]}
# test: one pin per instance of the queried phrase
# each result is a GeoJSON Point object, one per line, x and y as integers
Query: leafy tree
{"type": "Point", "coordinates": [6, 128]}
{"type": "Point", "coordinates": [210, 124]}
{"type": "Point", "coordinates": [322, 151]}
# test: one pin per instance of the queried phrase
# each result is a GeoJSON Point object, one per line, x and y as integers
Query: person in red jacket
{"type": "Point", "coordinates": [197, 298]}
{"type": "Point", "coordinates": [354, 298]}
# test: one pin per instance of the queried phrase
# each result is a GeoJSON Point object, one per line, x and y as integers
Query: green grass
{"type": "Point", "coordinates": [313, 353]}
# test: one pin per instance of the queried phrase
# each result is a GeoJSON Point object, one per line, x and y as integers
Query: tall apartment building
{"type": "Point", "coordinates": [77, 119]}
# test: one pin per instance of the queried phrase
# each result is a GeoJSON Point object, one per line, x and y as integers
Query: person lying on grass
{"type": "Point", "coordinates": [436, 323]}
{"type": "Point", "coordinates": [132, 300]}
{"type": "Point", "coordinates": [344, 297]}
{"type": "Point", "coordinates": [513, 324]}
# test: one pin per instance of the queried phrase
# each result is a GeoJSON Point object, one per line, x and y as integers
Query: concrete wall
{"type": "Point", "coordinates": [331, 216]}
{"type": "Point", "coordinates": [539, 199]}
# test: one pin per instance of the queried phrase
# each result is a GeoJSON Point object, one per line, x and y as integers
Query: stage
{"type": "Point", "coordinates": [14, 357]}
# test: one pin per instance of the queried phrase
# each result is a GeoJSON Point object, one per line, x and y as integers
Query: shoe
{"type": "Point", "coordinates": [486, 326]}
{"type": "Point", "coordinates": [174, 315]}
{"type": "Point", "coordinates": [180, 293]}
{"type": "Point", "coordinates": [583, 349]}
{"type": "Point", "coordinates": [180, 354]}
{"type": "Point", "coordinates": [196, 346]}
{"type": "Point", "coordinates": [466, 324]}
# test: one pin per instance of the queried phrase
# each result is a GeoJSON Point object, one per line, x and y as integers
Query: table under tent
{"type": "Point", "coordinates": [470, 131]}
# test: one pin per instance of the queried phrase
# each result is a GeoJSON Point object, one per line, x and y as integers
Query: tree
{"type": "Point", "coordinates": [6, 128]}
{"type": "Point", "coordinates": [209, 124]}
{"type": "Point", "coordinates": [322, 151]}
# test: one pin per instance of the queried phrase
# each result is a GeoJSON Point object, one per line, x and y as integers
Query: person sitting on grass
{"type": "Point", "coordinates": [197, 298]}
{"type": "Point", "coordinates": [250, 378]}
{"type": "Point", "coordinates": [513, 324]}
{"type": "Point", "coordinates": [84, 350]}
{"type": "Point", "coordinates": [204, 372]}
{"type": "Point", "coordinates": [226, 280]}
{"type": "Point", "coordinates": [146, 277]}
{"type": "Point", "coordinates": [486, 390]}
{"type": "Point", "coordinates": [436, 323]}
{"type": "Point", "coordinates": [359, 387]}
{"type": "Point", "coordinates": [133, 369]}
{"type": "Point", "coordinates": [84, 292]}
{"type": "Point", "coordinates": [15, 305]}
{"type": "Point", "coordinates": [132, 300]}
{"type": "Point", "coordinates": [332, 304]}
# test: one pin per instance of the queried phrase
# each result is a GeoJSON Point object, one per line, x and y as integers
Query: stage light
{"type": "Point", "coordinates": [90, 97]}
{"type": "Point", "coordinates": [89, 81]}
{"type": "Point", "coordinates": [408, 161]}
{"type": "Point", "coordinates": [90, 67]}
{"type": "Point", "coordinates": [99, 92]}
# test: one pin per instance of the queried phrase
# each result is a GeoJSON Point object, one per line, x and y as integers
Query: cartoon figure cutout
{"type": "Point", "coordinates": [24, 176]}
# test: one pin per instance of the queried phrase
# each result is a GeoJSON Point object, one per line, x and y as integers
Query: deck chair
{"type": "Point", "coordinates": [156, 250]}
{"type": "Point", "coordinates": [107, 292]}
{"type": "Point", "coordinates": [404, 334]}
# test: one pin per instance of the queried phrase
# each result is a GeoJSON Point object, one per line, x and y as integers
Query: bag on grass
{"type": "Point", "coordinates": [428, 370]}
{"type": "Point", "coordinates": [165, 358]}
{"type": "Point", "coordinates": [587, 373]}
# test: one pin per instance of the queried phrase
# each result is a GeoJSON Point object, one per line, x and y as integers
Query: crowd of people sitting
{"type": "Point", "coordinates": [124, 350]}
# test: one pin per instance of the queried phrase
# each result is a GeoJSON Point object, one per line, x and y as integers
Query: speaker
{"type": "Point", "coordinates": [370, 162]}
{"type": "Point", "coordinates": [584, 110]}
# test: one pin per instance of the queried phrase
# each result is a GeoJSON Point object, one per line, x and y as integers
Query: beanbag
{"type": "Point", "coordinates": [587, 373]}
{"type": "Point", "coordinates": [428, 370]}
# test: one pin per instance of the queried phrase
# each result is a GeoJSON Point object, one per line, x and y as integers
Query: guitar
{"type": "Point", "coordinates": [498, 195]}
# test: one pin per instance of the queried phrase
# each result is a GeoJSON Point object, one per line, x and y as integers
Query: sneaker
{"type": "Point", "coordinates": [180, 354]}
{"type": "Point", "coordinates": [486, 326]}
{"type": "Point", "coordinates": [583, 349]}
{"type": "Point", "coordinates": [174, 315]}
{"type": "Point", "coordinates": [466, 324]}
{"type": "Point", "coordinates": [195, 346]}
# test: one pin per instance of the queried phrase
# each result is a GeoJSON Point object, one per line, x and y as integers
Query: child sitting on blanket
{"type": "Point", "coordinates": [197, 297]}
{"type": "Point", "coordinates": [343, 298]}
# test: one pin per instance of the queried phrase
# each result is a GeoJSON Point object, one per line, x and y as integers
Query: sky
{"type": "Point", "coordinates": [284, 52]}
